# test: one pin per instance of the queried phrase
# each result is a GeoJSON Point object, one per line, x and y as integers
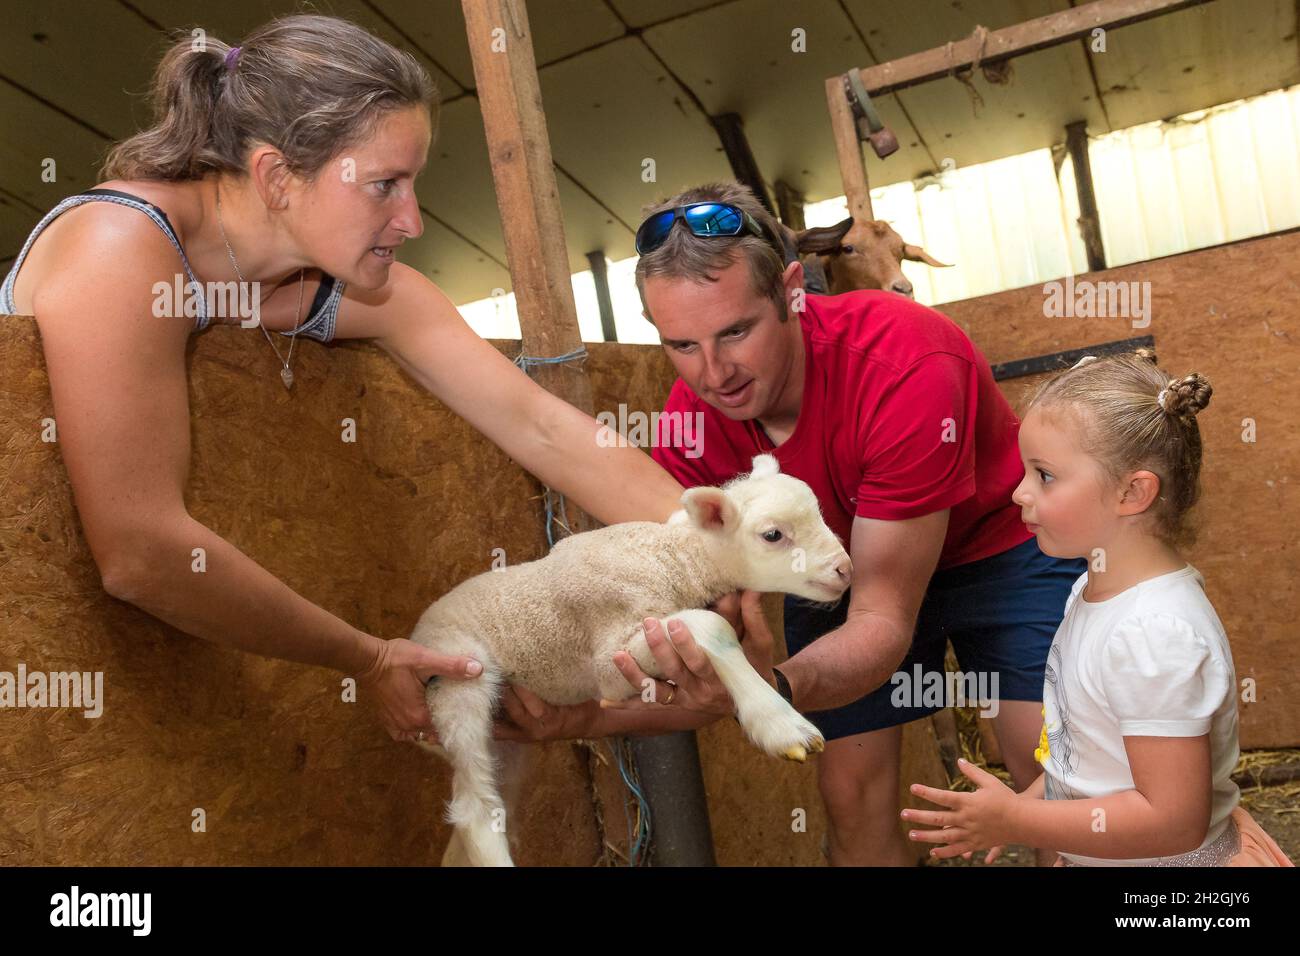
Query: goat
{"type": "Point", "coordinates": [855, 255]}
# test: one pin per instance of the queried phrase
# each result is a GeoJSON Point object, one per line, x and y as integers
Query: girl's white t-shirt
{"type": "Point", "coordinates": [1153, 661]}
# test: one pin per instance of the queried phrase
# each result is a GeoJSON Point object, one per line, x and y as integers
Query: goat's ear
{"type": "Point", "coordinates": [710, 508]}
{"type": "Point", "coordinates": [917, 254]}
{"type": "Point", "coordinates": [823, 239]}
{"type": "Point", "coordinates": [764, 466]}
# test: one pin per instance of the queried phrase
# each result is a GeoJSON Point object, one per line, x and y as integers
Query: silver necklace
{"type": "Point", "coordinates": [286, 372]}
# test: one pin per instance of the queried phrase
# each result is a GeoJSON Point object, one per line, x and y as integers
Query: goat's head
{"type": "Point", "coordinates": [772, 528]}
{"type": "Point", "coordinates": [862, 255]}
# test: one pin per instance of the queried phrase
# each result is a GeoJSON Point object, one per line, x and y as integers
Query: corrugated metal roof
{"type": "Point", "coordinates": [623, 80]}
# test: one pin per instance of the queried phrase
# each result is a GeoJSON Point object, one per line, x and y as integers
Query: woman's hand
{"type": "Point", "coordinates": [973, 820]}
{"type": "Point", "coordinates": [529, 718]}
{"type": "Point", "coordinates": [396, 680]}
{"type": "Point", "coordinates": [690, 680]}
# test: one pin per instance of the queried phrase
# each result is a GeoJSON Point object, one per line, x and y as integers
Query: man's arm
{"type": "Point", "coordinates": [892, 565]}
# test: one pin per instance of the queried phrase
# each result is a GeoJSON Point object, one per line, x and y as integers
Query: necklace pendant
{"type": "Point", "coordinates": [286, 376]}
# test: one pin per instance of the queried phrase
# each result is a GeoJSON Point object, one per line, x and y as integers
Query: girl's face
{"type": "Point", "coordinates": [362, 205]}
{"type": "Point", "coordinates": [1063, 495]}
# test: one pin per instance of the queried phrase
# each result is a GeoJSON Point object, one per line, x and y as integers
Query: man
{"type": "Point", "coordinates": [889, 412]}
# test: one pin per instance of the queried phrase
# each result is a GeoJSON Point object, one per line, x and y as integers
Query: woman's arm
{"type": "Point", "coordinates": [417, 324]}
{"type": "Point", "coordinates": [1167, 812]}
{"type": "Point", "coordinates": [118, 382]}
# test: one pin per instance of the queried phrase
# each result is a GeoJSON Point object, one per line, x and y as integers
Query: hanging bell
{"type": "Point", "coordinates": [286, 376]}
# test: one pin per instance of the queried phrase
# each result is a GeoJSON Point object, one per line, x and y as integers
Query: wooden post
{"type": "Point", "coordinates": [744, 167]}
{"type": "Point", "coordinates": [505, 74]}
{"type": "Point", "coordinates": [1076, 140]}
{"type": "Point", "coordinates": [789, 205]}
{"type": "Point", "coordinates": [600, 276]}
{"type": "Point", "coordinates": [849, 151]}
{"type": "Point", "coordinates": [519, 148]}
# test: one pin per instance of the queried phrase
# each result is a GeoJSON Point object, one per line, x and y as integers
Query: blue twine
{"type": "Point", "coordinates": [635, 846]}
{"type": "Point", "coordinates": [525, 362]}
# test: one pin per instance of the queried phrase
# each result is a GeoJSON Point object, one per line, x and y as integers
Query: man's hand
{"type": "Point", "coordinates": [744, 611]}
{"type": "Point", "coordinates": [973, 820]}
{"type": "Point", "coordinates": [529, 718]}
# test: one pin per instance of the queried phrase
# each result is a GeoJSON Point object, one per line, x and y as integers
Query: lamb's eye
{"type": "Point", "coordinates": [773, 535]}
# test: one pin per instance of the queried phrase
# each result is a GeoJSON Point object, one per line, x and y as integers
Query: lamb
{"type": "Point", "coordinates": [553, 626]}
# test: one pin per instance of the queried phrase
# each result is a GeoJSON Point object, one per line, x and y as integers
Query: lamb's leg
{"type": "Point", "coordinates": [773, 725]}
{"type": "Point", "coordinates": [462, 713]}
{"type": "Point", "coordinates": [513, 761]}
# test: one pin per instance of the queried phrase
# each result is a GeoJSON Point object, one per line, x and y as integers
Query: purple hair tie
{"type": "Point", "coordinates": [231, 55]}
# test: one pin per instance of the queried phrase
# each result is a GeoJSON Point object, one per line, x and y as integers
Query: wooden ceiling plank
{"type": "Point", "coordinates": [1013, 41]}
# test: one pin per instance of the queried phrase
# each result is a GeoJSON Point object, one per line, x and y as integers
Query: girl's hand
{"type": "Point", "coordinates": [396, 682]}
{"type": "Point", "coordinates": [973, 820]}
{"type": "Point", "coordinates": [989, 857]}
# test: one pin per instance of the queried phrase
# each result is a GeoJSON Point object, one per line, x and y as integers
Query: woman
{"type": "Point", "coordinates": [287, 163]}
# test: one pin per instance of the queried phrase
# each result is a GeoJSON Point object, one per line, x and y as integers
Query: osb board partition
{"type": "Point", "coordinates": [282, 768]}
{"type": "Point", "coordinates": [1230, 313]}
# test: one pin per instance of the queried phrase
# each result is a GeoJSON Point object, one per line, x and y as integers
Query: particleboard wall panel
{"type": "Point", "coordinates": [286, 772]}
{"type": "Point", "coordinates": [372, 531]}
{"type": "Point", "coordinates": [1229, 312]}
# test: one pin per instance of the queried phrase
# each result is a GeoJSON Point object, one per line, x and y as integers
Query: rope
{"type": "Point", "coordinates": [554, 501]}
{"type": "Point", "coordinates": [526, 362]}
{"type": "Point", "coordinates": [638, 834]}
{"type": "Point", "coordinates": [998, 74]}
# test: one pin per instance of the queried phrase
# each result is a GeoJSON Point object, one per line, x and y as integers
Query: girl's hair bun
{"type": "Point", "coordinates": [1186, 396]}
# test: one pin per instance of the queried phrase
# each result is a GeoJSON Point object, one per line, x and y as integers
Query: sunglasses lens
{"type": "Point", "coordinates": [713, 219]}
{"type": "Point", "coordinates": [653, 232]}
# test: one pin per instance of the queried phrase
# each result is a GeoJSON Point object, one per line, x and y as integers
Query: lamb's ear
{"type": "Point", "coordinates": [710, 508]}
{"type": "Point", "coordinates": [764, 466]}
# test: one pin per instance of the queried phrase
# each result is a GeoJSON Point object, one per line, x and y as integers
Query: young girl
{"type": "Point", "coordinates": [1140, 698]}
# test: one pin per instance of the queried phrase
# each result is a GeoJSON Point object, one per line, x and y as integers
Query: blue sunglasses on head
{"type": "Point", "coordinates": [703, 219]}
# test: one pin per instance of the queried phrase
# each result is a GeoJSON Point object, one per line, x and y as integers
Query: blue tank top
{"type": "Point", "coordinates": [321, 317]}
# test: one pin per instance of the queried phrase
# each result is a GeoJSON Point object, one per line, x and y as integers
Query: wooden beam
{"type": "Point", "coordinates": [789, 205]}
{"type": "Point", "coordinates": [848, 150]}
{"type": "Point", "coordinates": [731, 130]}
{"type": "Point", "coordinates": [1026, 37]}
{"type": "Point", "coordinates": [519, 148]}
{"type": "Point", "coordinates": [1057, 361]}
{"type": "Point", "coordinates": [1076, 141]}
{"type": "Point", "coordinates": [600, 276]}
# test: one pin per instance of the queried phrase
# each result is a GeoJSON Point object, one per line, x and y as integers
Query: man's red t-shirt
{"type": "Point", "coordinates": [900, 418]}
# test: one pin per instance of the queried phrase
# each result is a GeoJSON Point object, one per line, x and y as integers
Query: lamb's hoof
{"type": "Point", "coordinates": [817, 744]}
{"type": "Point", "coordinates": [796, 753]}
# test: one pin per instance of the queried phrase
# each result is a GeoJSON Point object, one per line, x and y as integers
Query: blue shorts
{"type": "Point", "coordinates": [1000, 613]}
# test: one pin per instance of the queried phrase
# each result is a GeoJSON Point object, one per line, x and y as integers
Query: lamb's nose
{"type": "Point", "coordinates": [902, 287]}
{"type": "Point", "coordinates": [845, 570]}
